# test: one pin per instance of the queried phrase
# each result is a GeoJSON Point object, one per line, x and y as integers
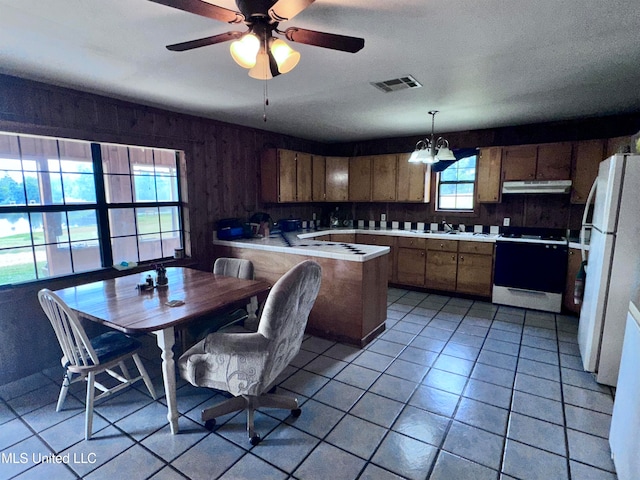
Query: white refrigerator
{"type": "Point", "coordinates": [614, 251]}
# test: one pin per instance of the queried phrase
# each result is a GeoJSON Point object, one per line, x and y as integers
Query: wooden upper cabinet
{"type": "Point", "coordinates": [304, 183]}
{"type": "Point", "coordinates": [384, 178]}
{"type": "Point", "coordinates": [286, 176]}
{"type": "Point", "coordinates": [519, 162]}
{"type": "Point", "coordinates": [554, 161]}
{"type": "Point", "coordinates": [587, 157]}
{"type": "Point", "coordinates": [318, 179]}
{"type": "Point", "coordinates": [412, 181]}
{"type": "Point", "coordinates": [489, 168]}
{"type": "Point", "coordinates": [360, 179]}
{"type": "Point", "coordinates": [337, 179]}
{"type": "Point", "coordinates": [547, 161]}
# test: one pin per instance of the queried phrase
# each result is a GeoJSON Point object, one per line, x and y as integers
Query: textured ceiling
{"type": "Point", "coordinates": [482, 64]}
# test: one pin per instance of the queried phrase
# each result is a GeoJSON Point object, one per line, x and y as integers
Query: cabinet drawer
{"type": "Point", "coordinates": [408, 242]}
{"type": "Point", "coordinates": [484, 248]}
{"type": "Point", "coordinates": [442, 245]}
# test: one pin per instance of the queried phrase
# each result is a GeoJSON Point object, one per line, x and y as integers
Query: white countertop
{"type": "Point", "coordinates": [303, 242]}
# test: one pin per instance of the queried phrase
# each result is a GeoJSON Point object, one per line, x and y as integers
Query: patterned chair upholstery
{"type": "Point", "coordinates": [247, 364]}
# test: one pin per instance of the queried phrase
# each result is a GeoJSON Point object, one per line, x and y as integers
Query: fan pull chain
{"type": "Point", "coordinates": [266, 101]}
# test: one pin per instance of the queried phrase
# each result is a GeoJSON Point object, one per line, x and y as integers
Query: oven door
{"type": "Point", "coordinates": [531, 266]}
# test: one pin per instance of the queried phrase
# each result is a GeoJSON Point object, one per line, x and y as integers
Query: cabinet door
{"type": "Point", "coordinates": [412, 180]}
{"type": "Point", "coordinates": [573, 266]}
{"type": "Point", "coordinates": [286, 176]}
{"type": "Point", "coordinates": [269, 175]}
{"type": "Point", "coordinates": [318, 179]}
{"type": "Point", "coordinates": [441, 270]}
{"type": "Point", "coordinates": [587, 157]}
{"type": "Point", "coordinates": [303, 177]}
{"type": "Point", "coordinates": [337, 179]}
{"type": "Point", "coordinates": [410, 266]}
{"type": "Point", "coordinates": [384, 178]}
{"type": "Point", "coordinates": [475, 274]}
{"type": "Point", "coordinates": [360, 179]}
{"type": "Point", "coordinates": [519, 162]}
{"type": "Point", "coordinates": [554, 161]}
{"type": "Point", "coordinates": [489, 167]}
{"type": "Point", "coordinates": [343, 237]}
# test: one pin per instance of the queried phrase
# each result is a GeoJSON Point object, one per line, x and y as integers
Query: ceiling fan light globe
{"type": "Point", "coordinates": [286, 57]}
{"type": "Point", "coordinates": [245, 50]}
{"type": "Point", "coordinates": [261, 69]}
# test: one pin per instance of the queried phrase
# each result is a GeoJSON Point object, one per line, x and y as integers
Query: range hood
{"type": "Point", "coordinates": [537, 186]}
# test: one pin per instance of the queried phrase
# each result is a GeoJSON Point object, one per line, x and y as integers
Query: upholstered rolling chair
{"type": "Point", "coordinates": [84, 358]}
{"type": "Point", "coordinates": [247, 364]}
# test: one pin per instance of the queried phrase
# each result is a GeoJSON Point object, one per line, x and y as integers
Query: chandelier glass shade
{"type": "Point", "coordinates": [264, 55]}
{"type": "Point", "coordinates": [431, 150]}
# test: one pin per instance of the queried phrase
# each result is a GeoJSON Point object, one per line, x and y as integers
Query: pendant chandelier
{"type": "Point", "coordinates": [430, 150]}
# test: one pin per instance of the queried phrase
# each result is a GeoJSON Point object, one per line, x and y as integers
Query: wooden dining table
{"type": "Point", "coordinates": [118, 303]}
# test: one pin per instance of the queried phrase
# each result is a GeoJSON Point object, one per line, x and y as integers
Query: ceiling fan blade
{"type": "Point", "coordinates": [326, 40]}
{"type": "Point", "coordinates": [205, 9]}
{"type": "Point", "coordinates": [284, 10]}
{"type": "Point", "coordinates": [203, 42]}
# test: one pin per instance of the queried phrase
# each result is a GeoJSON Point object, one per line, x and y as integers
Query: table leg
{"type": "Point", "coordinates": [166, 340]}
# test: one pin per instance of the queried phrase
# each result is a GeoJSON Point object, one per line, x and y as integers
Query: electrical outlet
{"type": "Point", "coordinates": [506, 222]}
{"type": "Point", "coordinates": [383, 217]}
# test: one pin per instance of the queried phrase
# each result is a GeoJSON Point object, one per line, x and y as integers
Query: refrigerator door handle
{"type": "Point", "coordinates": [585, 225]}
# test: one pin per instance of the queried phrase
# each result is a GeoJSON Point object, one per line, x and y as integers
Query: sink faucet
{"type": "Point", "coordinates": [447, 226]}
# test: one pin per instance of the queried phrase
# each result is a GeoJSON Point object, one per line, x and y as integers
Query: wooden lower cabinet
{"type": "Point", "coordinates": [382, 241]}
{"type": "Point", "coordinates": [343, 237]}
{"type": "Point", "coordinates": [411, 261]}
{"type": "Point", "coordinates": [475, 268]}
{"type": "Point", "coordinates": [442, 269]}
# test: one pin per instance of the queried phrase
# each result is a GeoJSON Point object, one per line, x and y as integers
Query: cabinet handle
{"type": "Point", "coordinates": [453, 257]}
{"type": "Point", "coordinates": [442, 245]}
{"type": "Point", "coordinates": [462, 259]}
{"type": "Point", "coordinates": [422, 254]}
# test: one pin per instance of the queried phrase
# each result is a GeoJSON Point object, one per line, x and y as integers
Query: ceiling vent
{"type": "Point", "coordinates": [396, 84]}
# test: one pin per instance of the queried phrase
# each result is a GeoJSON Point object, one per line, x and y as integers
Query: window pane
{"type": "Point", "coordinates": [16, 265]}
{"type": "Point", "coordinates": [456, 185]}
{"type": "Point", "coordinates": [450, 174]}
{"type": "Point", "coordinates": [118, 188]}
{"type": "Point", "coordinates": [169, 219]}
{"type": "Point", "coordinates": [144, 187]}
{"type": "Point", "coordinates": [53, 260]}
{"type": "Point", "coordinates": [147, 220]}
{"type": "Point", "coordinates": [125, 249]}
{"type": "Point", "coordinates": [165, 162]}
{"type": "Point", "coordinates": [86, 256]}
{"type": "Point", "coordinates": [48, 227]}
{"type": "Point", "coordinates": [122, 222]}
{"type": "Point", "coordinates": [447, 189]}
{"type": "Point", "coordinates": [74, 152]}
{"type": "Point", "coordinates": [115, 159]}
{"type": "Point", "coordinates": [150, 247]}
{"type": "Point", "coordinates": [79, 188]}
{"type": "Point", "coordinates": [14, 230]}
{"type": "Point", "coordinates": [83, 225]}
{"type": "Point", "coordinates": [170, 241]}
{"type": "Point", "coordinates": [167, 189]}
{"type": "Point", "coordinates": [11, 188]}
{"type": "Point", "coordinates": [466, 174]}
{"type": "Point", "coordinates": [467, 162]}
{"type": "Point", "coordinates": [44, 188]}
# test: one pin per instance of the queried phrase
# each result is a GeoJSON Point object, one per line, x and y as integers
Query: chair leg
{"type": "Point", "coordinates": [145, 375]}
{"type": "Point", "coordinates": [66, 382]}
{"type": "Point", "coordinates": [251, 430]}
{"type": "Point", "coordinates": [89, 409]}
{"type": "Point", "coordinates": [124, 370]}
{"type": "Point", "coordinates": [276, 401]}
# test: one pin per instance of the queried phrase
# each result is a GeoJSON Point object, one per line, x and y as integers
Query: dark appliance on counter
{"type": "Point", "coordinates": [290, 224]}
{"type": "Point", "coordinates": [230, 229]}
{"type": "Point", "coordinates": [530, 269]}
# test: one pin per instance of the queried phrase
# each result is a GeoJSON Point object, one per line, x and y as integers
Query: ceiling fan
{"type": "Point", "coordinates": [256, 48]}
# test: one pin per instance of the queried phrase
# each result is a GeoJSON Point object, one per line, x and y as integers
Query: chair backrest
{"type": "Point", "coordinates": [285, 315]}
{"type": "Point", "coordinates": [76, 346]}
{"type": "Point", "coordinates": [234, 267]}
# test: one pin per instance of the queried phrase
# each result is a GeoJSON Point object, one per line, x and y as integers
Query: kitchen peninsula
{"type": "Point", "coordinates": [352, 304]}
{"type": "Point", "coordinates": [358, 263]}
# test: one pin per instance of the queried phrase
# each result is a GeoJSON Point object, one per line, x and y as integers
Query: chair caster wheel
{"type": "Point", "coordinates": [210, 424]}
{"type": "Point", "coordinates": [255, 440]}
{"type": "Point", "coordinates": [295, 413]}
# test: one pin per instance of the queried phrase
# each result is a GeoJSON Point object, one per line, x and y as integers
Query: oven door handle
{"type": "Point", "coordinates": [533, 293]}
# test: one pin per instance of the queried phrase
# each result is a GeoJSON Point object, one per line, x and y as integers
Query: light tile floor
{"type": "Point", "coordinates": [453, 389]}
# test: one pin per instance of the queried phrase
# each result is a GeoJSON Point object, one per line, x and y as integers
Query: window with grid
{"type": "Point", "coordinates": [456, 185]}
{"type": "Point", "coordinates": [70, 206]}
